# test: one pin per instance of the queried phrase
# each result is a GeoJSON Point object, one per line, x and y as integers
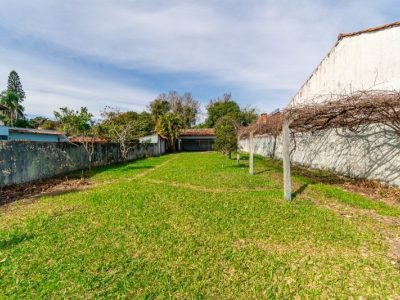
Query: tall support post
{"type": "Point", "coordinates": [251, 153]}
{"type": "Point", "coordinates": [237, 153]}
{"type": "Point", "coordinates": [287, 183]}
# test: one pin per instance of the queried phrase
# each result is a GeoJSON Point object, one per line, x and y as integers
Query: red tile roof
{"type": "Point", "coordinates": [368, 30]}
{"type": "Point", "coordinates": [198, 132]}
{"type": "Point", "coordinates": [262, 118]}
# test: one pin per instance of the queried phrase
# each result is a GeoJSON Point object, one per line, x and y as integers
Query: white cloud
{"type": "Point", "coordinates": [50, 86]}
{"type": "Point", "coordinates": [254, 45]}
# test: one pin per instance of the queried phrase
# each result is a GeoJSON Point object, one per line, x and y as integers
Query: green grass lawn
{"type": "Point", "coordinates": [195, 225]}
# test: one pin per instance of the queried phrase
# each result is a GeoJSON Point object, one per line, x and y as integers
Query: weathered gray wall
{"type": "Point", "coordinates": [27, 161]}
{"type": "Point", "coordinates": [371, 153]}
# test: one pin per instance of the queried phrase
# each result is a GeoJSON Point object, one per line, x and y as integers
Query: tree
{"type": "Point", "coordinates": [247, 116]}
{"type": "Point", "coordinates": [184, 106]}
{"type": "Point", "coordinates": [14, 85]}
{"type": "Point", "coordinates": [121, 127]}
{"type": "Point", "coordinates": [190, 109]}
{"type": "Point", "coordinates": [227, 107]}
{"type": "Point", "coordinates": [11, 101]}
{"type": "Point", "coordinates": [222, 107]}
{"type": "Point", "coordinates": [159, 107]}
{"type": "Point", "coordinates": [78, 123]}
{"type": "Point", "coordinates": [225, 135]}
{"type": "Point", "coordinates": [74, 123]}
{"type": "Point", "coordinates": [169, 126]}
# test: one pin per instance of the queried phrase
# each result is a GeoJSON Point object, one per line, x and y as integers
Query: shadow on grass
{"type": "Point", "coordinates": [262, 171]}
{"type": "Point", "coordinates": [15, 240]}
{"type": "Point", "coordinates": [309, 176]}
{"type": "Point", "coordinates": [125, 166]}
{"type": "Point", "coordinates": [299, 191]}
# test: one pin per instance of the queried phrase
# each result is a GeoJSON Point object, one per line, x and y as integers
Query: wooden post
{"type": "Point", "coordinates": [286, 162]}
{"type": "Point", "coordinates": [251, 154]}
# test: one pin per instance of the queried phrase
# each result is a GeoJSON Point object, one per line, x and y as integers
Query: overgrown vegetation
{"type": "Point", "coordinates": [198, 226]}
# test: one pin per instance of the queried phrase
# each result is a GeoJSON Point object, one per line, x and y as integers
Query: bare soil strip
{"type": "Point", "coordinates": [45, 187]}
{"type": "Point", "coordinates": [200, 188]}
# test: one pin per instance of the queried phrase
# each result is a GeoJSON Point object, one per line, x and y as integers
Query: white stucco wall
{"type": "Point", "coordinates": [369, 61]}
{"type": "Point", "coordinates": [362, 62]}
{"type": "Point", "coordinates": [371, 153]}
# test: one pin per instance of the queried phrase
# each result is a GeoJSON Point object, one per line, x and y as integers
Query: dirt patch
{"type": "Point", "coordinates": [368, 188]}
{"type": "Point", "coordinates": [52, 186]}
{"type": "Point", "coordinates": [394, 249]}
{"type": "Point", "coordinates": [374, 190]}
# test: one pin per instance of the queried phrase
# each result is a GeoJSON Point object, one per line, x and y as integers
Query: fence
{"type": "Point", "coordinates": [373, 152]}
{"type": "Point", "coordinates": [27, 161]}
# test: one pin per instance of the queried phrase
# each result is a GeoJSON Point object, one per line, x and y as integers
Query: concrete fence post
{"type": "Point", "coordinates": [238, 154]}
{"type": "Point", "coordinates": [251, 153]}
{"type": "Point", "coordinates": [287, 184]}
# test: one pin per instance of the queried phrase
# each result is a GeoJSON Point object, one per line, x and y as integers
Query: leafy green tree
{"type": "Point", "coordinates": [24, 123]}
{"type": "Point", "coordinates": [222, 107]}
{"type": "Point", "coordinates": [37, 122]}
{"type": "Point", "coordinates": [15, 110]}
{"type": "Point", "coordinates": [74, 123]}
{"type": "Point", "coordinates": [159, 107]}
{"type": "Point", "coordinates": [124, 127]}
{"type": "Point", "coordinates": [225, 135]}
{"type": "Point", "coordinates": [169, 126]}
{"type": "Point", "coordinates": [14, 85]}
{"type": "Point", "coordinates": [219, 108]}
{"type": "Point", "coordinates": [78, 123]}
{"type": "Point", "coordinates": [49, 125]}
{"type": "Point", "coordinates": [247, 116]}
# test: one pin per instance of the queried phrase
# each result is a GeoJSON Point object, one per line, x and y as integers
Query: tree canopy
{"type": "Point", "coordinates": [74, 122]}
{"type": "Point", "coordinates": [14, 85]}
{"type": "Point", "coordinates": [169, 126]}
{"type": "Point", "coordinates": [219, 108]}
{"type": "Point", "coordinates": [185, 107]}
{"type": "Point", "coordinates": [134, 124]}
{"type": "Point", "coordinates": [15, 110]}
{"type": "Point", "coordinates": [225, 135]}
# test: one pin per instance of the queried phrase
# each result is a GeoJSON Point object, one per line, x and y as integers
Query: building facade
{"type": "Point", "coordinates": [196, 139]}
{"type": "Point", "coordinates": [360, 61]}
{"type": "Point", "coordinates": [28, 134]}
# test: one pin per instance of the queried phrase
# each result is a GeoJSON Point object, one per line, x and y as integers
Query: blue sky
{"type": "Point", "coordinates": [124, 53]}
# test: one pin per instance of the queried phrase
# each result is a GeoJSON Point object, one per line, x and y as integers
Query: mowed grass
{"type": "Point", "coordinates": [195, 225]}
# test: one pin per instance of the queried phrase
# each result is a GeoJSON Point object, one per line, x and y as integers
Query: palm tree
{"type": "Point", "coordinates": [11, 101]}
{"type": "Point", "coordinates": [169, 126]}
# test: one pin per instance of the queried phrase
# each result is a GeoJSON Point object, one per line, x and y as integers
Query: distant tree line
{"type": "Point", "coordinates": [165, 115]}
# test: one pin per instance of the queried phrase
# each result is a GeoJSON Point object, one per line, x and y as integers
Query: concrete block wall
{"type": "Point", "coordinates": [22, 162]}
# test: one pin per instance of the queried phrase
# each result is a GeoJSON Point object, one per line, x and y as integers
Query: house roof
{"type": "Point", "coordinates": [368, 30]}
{"type": "Point", "coordinates": [34, 131]}
{"type": "Point", "coordinates": [262, 118]}
{"type": "Point", "coordinates": [198, 132]}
